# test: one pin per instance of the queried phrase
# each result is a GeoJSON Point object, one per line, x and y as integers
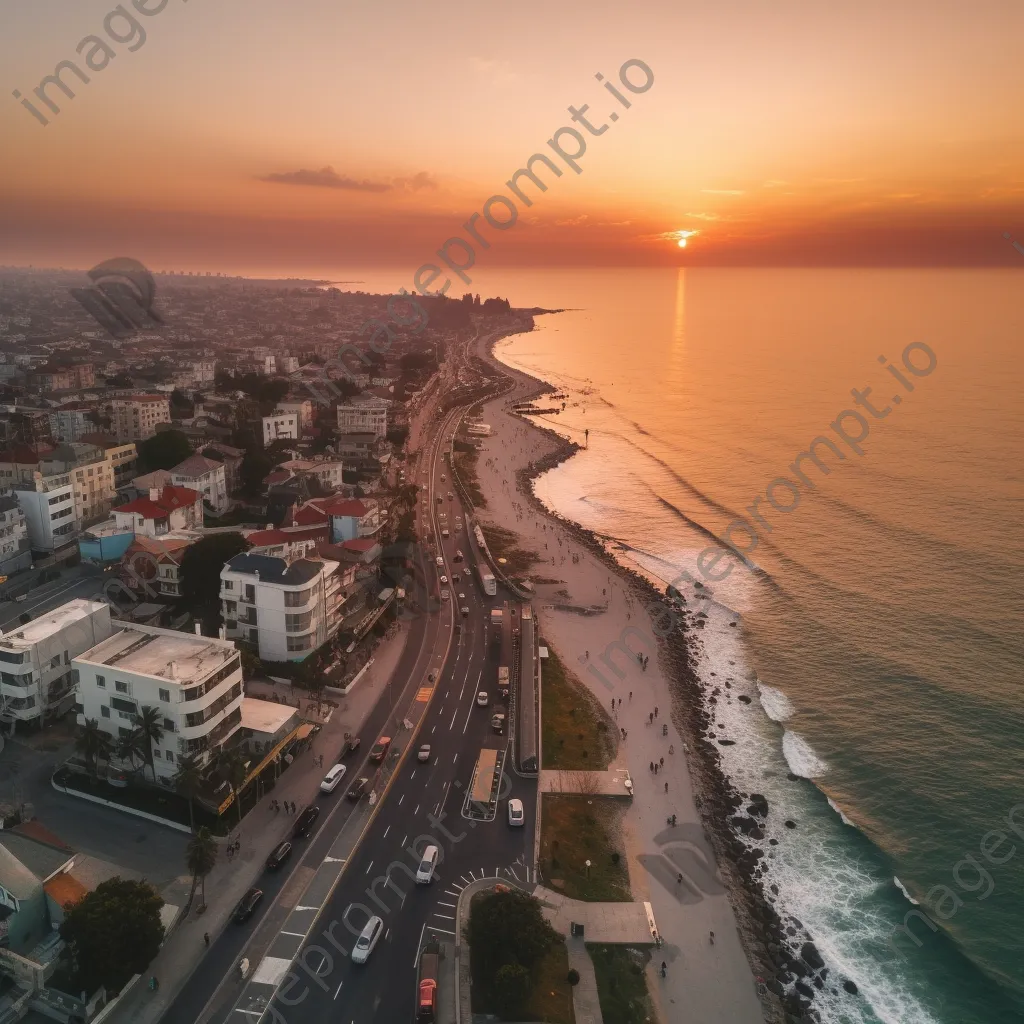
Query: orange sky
{"type": "Point", "coordinates": [789, 133]}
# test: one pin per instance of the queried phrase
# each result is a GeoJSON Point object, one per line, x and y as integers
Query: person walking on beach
{"type": "Point", "coordinates": [711, 936]}
{"type": "Point", "coordinates": [655, 712]}
{"type": "Point", "coordinates": [666, 787]}
{"type": "Point", "coordinates": [650, 719]}
{"type": "Point", "coordinates": [630, 694]}
{"type": "Point", "coordinates": [651, 767]}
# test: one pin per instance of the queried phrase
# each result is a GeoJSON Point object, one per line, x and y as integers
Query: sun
{"type": "Point", "coordinates": [682, 236]}
{"type": "Point", "coordinates": [682, 243]}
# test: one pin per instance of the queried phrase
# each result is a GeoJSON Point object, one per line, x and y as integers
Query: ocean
{"type": "Point", "coordinates": [881, 615]}
{"type": "Point", "coordinates": [881, 619]}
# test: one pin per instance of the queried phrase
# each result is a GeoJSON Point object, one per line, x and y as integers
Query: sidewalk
{"type": "Point", "coordinates": [262, 829]}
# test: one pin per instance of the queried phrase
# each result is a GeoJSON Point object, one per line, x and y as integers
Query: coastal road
{"type": "Point", "coordinates": [424, 805]}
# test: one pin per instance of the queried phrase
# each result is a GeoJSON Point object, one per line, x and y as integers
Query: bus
{"type": "Point", "coordinates": [486, 581]}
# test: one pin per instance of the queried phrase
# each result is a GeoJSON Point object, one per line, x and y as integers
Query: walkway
{"type": "Point", "coordinates": [626, 924]}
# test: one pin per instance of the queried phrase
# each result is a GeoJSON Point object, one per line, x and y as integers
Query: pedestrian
{"type": "Point", "coordinates": [711, 935]}
{"type": "Point", "coordinates": [655, 712]}
{"type": "Point", "coordinates": [664, 968]}
{"type": "Point", "coordinates": [650, 719]}
{"type": "Point", "coordinates": [206, 939]}
{"type": "Point", "coordinates": [651, 767]}
{"type": "Point", "coordinates": [662, 762]}
{"type": "Point", "coordinates": [655, 769]}
{"type": "Point", "coordinates": [666, 787]}
{"type": "Point", "coordinates": [679, 878]}
{"type": "Point", "coordinates": [630, 694]}
{"type": "Point", "coordinates": [623, 731]}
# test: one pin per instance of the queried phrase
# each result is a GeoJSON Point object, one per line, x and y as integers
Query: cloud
{"type": "Point", "coordinates": [326, 177]}
{"type": "Point", "coordinates": [724, 191]}
{"type": "Point", "coordinates": [416, 182]}
{"type": "Point", "coordinates": [703, 216]}
{"type": "Point", "coordinates": [498, 71]}
{"type": "Point", "coordinates": [572, 222]}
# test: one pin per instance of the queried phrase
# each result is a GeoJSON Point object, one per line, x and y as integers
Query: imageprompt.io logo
{"type": "Point", "coordinates": [122, 300]}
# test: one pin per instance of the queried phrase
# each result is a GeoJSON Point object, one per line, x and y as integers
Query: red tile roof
{"type": "Point", "coordinates": [261, 538]}
{"type": "Point", "coordinates": [359, 544]}
{"type": "Point", "coordinates": [170, 500]}
{"type": "Point", "coordinates": [351, 507]}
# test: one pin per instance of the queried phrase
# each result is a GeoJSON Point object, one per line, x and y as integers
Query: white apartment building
{"type": "Point", "coordinates": [161, 511]}
{"type": "Point", "coordinates": [194, 681]}
{"type": "Point", "coordinates": [49, 508]}
{"type": "Point", "coordinates": [287, 364]}
{"type": "Point", "coordinates": [135, 419]}
{"type": "Point", "coordinates": [206, 476]}
{"type": "Point", "coordinates": [204, 371]}
{"type": "Point", "coordinates": [15, 550]}
{"type": "Point", "coordinates": [363, 414]}
{"type": "Point", "coordinates": [285, 609]}
{"type": "Point", "coordinates": [302, 407]}
{"type": "Point", "coordinates": [37, 680]}
{"type": "Point", "coordinates": [281, 426]}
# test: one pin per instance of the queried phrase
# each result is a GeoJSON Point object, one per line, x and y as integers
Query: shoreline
{"type": "Point", "coordinates": [785, 960]}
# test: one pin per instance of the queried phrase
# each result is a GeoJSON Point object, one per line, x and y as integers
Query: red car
{"type": "Point", "coordinates": [380, 749]}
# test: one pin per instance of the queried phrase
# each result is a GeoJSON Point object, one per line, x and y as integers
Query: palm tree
{"type": "Point", "coordinates": [234, 769]}
{"type": "Point", "coordinates": [148, 722]}
{"type": "Point", "coordinates": [130, 746]}
{"type": "Point", "coordinates": [94, 745]}
{"type": "Point", "coordinates": [188, 781]}
{"type": "Point", "coordinates": [201, 856]}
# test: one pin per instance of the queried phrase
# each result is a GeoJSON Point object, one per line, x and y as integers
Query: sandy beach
{"type": "Point", "coordinates": [593, 603]}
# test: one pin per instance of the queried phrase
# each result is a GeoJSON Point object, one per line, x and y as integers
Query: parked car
{"type": "Point", "coordinates": [351, 746]}
{"type": "Point", "coordinates": [456, 578]}
{"type": "Point", "coordinates": [516, 814]}
{"type": "Point", "coordinates": [306, 820]}
{"type": "Point", "coordinates": [333, 778]}
{"type": "Point", "coordinates": [445, 533]}
{"type": "Point", "coordinates": [483, 699]}
{"type": "Point", "coordinates": [281, 853]}
{"type": "Point", "coordinates": [359, 789]}
{"type": "Point", "coordinates": [380, 749]}
{"type": "Point", "coordinates": [439, 562]}
{"type": "Point", "coordinates": [249, 902]}
{"type": "Point", "coordinates": [367, 940]}
{"type": "Point", "coordinates": [423, 754]}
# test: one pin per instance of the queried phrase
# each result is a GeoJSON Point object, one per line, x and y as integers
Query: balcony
{"type": "Point", "coordinates": [197, 718]}
{"type": "Point", "coordinates": [212, 727]}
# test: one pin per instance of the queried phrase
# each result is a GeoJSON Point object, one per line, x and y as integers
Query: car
{"type": "Point", "coordinates": [444, 579]}
{"type": "Point", "coordinates": [483, 699]}
{"type": "Point", "coordinates": [248, 904]}
{"type": "Point", "coordinates": [333, 778]}
{"type": "Point", "coordinates": [456, 578]}
{"type": "Point", "coordinates": [462, 597]}
{"type": "Point", "coordinates": [442, 478]}
{"type": "Point", "coordinates": [367, 940]}
{"type": "Point", "coordinates": [281, 853]}
{"type": "Point", "coordinates": [504, 693]}
{"type": "Point", "coordinates": [439, 562]}
{"type": "Point", "coordinates": [428, 865]}
{"type": "Point", "coordinates": [359, 789]}
{"type": "Point", "coordinates": [380, 749]}
{"type": "Point", "coordinates": [516, 814]}
{"type": "Point", "coordinates": [450, 496]}
{"type": "Point", "coordinates": [423, 754]}
{"type": "Point", "coordinates": [458, 628]}
{"type": "Point", "coordinates": [445, 594]}
{"type": "Point", "coordinates": [465, 611]}
{"type": "Point", "coordinates": [445, 533]}
{"type": "Point", "coordinates": [306, 820]}
{"type": "Point", "coordinates": [351, 746]}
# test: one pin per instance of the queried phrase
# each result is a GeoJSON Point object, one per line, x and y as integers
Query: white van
{"type": "Point", "coordinates": [333, 778]}
{"type": "Point", "coordinates": [367, 940]}
{"type": "Point", "coordinates": [425, 872]}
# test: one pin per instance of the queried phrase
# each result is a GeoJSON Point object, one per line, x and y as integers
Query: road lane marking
{"type": "Point", "coordinates": [338, 989]}
{"type": "Point", "coordinates": [443, 931]}
{"type": "Point", "coordinates": [403, 841]}
{"type": "Point", "coordinates": [368, 866]}
{"type": "Point", "coordinates": [298, 935]}
{"type": "Point", "coordinates": [440, 903]}
{"type": "Point", "coordinates": [446, 917]}
{"type": "Point", "coordinates": [417, 811]}
{"type": "Point", "coordinates": [386, 831]}
{"type": "Point", "coordinates": [400, 799]}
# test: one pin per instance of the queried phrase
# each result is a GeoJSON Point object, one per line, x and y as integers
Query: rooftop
{"type": "Point", "coordinates": [51, 622]}
{"type": "Point", "coordinates": [41, 857]}
{"type": "Point", "coordinates": [162, 653]}
{"type": "Point", "coordinates": [275, 570]}
{"type": "Point", "coordinates": [196, 466]}
{"type": "Point", "coordinates": [266, 716]}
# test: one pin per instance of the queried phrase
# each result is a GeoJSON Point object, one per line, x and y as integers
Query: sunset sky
{"type": "Point", "coordinates": [788, 132]}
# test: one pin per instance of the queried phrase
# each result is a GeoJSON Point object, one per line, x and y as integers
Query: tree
{"type": "Point", "coordinates": [234, 770]}
{"type": "Point", "coordinates": [164, 450]}
{"type": "Point", "coordinates": [131, 746]}
{"type": "Point", "coordinates": [93, 744]}
{"type": "Point", "coordinates": [512, 984]}
{"type": "Point", "coordinates": [188, 781]}
{"type": "Point", "coordinates": [150, 728]}
{"type": "Point", "coordinates": [201, 856]}
{"type": "Point", "coordinates": [271, 392]}
{"type": "Point", "coordinates": [200, 573]}
{"type": "Point", "coordinates": [508, 928]}
{"type": "Point", "coordinates": [114, 932]}
{"type": "Point", "coordinates": [256, 466]}
{"type": "Point", "coordinates": [573, 977]}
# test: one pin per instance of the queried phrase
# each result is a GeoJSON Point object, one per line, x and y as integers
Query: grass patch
{"type": "Point", "coordinates": [503, 544]}
{"type": "Point", "coordinates": [622, 984]}
{"type": "Point", "coordinates": [575, 829]}
{"type": "Point", "coordinates": [577, 732]}
{"type": "Point", "coordinates": [551, 997]}
{"type": "Point", "coordinates": [464, 464]}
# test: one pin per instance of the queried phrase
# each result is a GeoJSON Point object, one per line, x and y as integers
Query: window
{"type": "Point", "coordinates": [101, 681]}
{"type": "Point", "coordinates": [55, 661]}
{"type": "Point", "coordinates": [156, 752]}
{"type": "Point", "coordinates": [168, 725]}
{"type": "Point", "coordinates": [120, 687]}
{"type": "Point", "coordinates": [170, 756]}
{"type": "Point", "coordinates": [67, 658]}
{"type": "Point", "coordinates": [165, 696]}
{"type": "Point", "coordinates": [15, 657]}
{"type": "Point", "coordinates": [104, 711]}
{"type": "Point", "coordinates": [229, 585]}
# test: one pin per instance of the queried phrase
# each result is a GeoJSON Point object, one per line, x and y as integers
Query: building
{"type": "Point", "coordinates": [151, 567]}
{"type": "Point", "coordinates": [281, 426]}
{"type": "Point", "coordinates": [302, 407]}
{"type": "Point", "coordinates": [135, 419]}
{"type": "Point", "coordinates": [62, 377]}
{"type": "Point", "coordinates": [195, 682]}
{"type": "Point", "coordinates": [71, 421]}
{"type": "Point", "coordinates": [15, 548]}
{"type": "Point", "coordinates": [173, 508]}
{"type": "Point", "coordinates": [36, 679]}
{"type": "Point", "coordinates": [207, 477]}
{"type": "Point", "coordinates": [363, 414]}
{"type": "Point", "coordinates": [49, 508]}
{"type": "Point", "coordinates": [20, 463]}
{"type": "Point", "coordinates": [284, 609]}
{"type": "Point", "coordinates": [204, 372]}
{"type": "Point", "coordinates": [122, 456]}
{"type": "Point", "coordinates": [329, 472]}
{"type": "Point", "coordinates": [232, 459]}
{"type": "Point", "coordinates": [353, 519]}
{"type": "Point", "coordinates": [92, 476]}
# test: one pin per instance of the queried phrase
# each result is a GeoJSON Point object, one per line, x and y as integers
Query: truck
{"type": "Point", "coordinates": [496, 617]}
{"type": "Point", "coordinates": [426, 984]}
{"type": "Point", "coordinates": [486, 580]}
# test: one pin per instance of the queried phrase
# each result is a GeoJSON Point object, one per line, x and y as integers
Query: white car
{"type": "Point", "coordinates": [445, 595]}
{"type": "Point", "coordinates": [428, 865]}
{"type": "Point", "coordinates": [423, 754]}
{"type": "Point", "coordinates": [333, 778]}
{"type": "Point", "coordinates": [483, 699]}
{"type": "Point", "coordinates": [368, 938]}
{"type": "Point", "coordinates": [444, 579]}
{"type": "Point", "coordinates": [516, 814]}
{"type": "Point", "coordinates": [439, 562]}
{"type": "Point", "coordinates": [445, 533]}
{"type": "Point", "coordinates": [462, 597]}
